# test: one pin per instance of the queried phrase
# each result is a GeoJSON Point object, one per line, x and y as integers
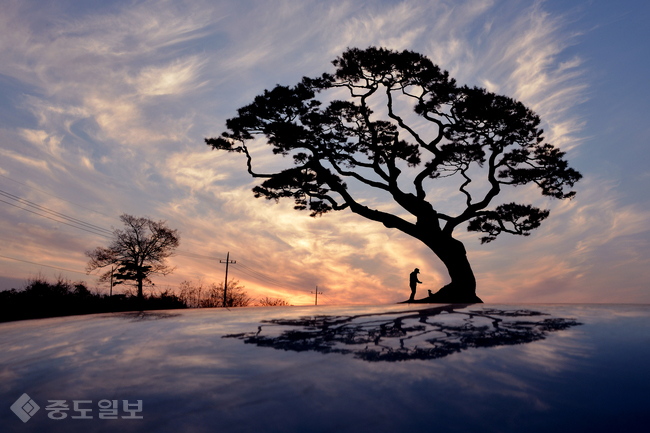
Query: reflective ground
{"type": "Point", "coordinates": [448, 368]}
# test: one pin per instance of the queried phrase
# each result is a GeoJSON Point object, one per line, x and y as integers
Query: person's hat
{"type": "Point", "coordinates": [417, 270]}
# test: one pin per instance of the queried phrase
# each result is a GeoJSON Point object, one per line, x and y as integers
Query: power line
{"type": "Point", "coordinates": [55, 196]}
{"type": "Point", "coordinates": [84, 225]}
{"type": "Point", "coordinates": [261, 275]}
{"type": "Point", "coordinates": [273, 280]}
{"type": "Point", "coordinates": [100, 231]}
{"type": "Point", "coordinates": [246, 270]}
{"type": "Point", "coordinates": [50, 211]}
{"type": "Point", "coordinates": [40, 264]}
{"type": "Point", "coordinates": [267, 280]}
{"type": "Point", "coordinates": [94, 229]}
{"type": "Point", "coordinates": [76, 272]}
{"type": "Point", "coordinates": [45, 216]}
{"type": "Point", "coordinates": [262, 279]}
{"type": "Point", "coordinates": [194, 255]}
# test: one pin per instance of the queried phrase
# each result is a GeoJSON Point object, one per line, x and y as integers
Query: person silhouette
{"type": "Point", "coordinates": [414, 283]}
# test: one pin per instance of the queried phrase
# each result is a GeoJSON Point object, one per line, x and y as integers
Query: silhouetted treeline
{"type": "Point", "coordinates": [200, 295]}
{"type": "Point", "coordinates": [40, 299]}
{"type": "Point", "coordinates": [272, 302]}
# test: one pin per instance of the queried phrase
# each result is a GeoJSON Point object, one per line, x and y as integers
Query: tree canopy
{"type": "Point", "coordinates": [457, 131]}
{"type": "Point", "coordinates": [136, 252]}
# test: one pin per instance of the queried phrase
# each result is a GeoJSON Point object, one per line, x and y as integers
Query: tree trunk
{"type": "Point", "coordinates": [462, 288]}
{"type": "Point", "coordinates": [140, 277]}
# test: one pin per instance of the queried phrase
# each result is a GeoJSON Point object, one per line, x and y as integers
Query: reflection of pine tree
{"type": "Point", "coordinates": [406, 335]}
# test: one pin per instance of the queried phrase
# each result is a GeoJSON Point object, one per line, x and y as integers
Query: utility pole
{"type": "Point", "coordinates": [317, 293]}
{"type": "Point", "coordinates": [112, 270]}
{"type": "Point", "coordinates": [225, 284]}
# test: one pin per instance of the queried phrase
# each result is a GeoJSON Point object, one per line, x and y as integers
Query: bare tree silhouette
{"type": "Point", "coordinates": [137, 251]}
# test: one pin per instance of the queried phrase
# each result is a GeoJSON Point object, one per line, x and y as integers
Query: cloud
{"type": "Point", "coordinates": [125, 94]}
{"type": "Point", "coordinates": [174, 78]}
{"type": "Point", "coordinates": [574, 256]}
{"type": "Point", "coordinates": [37, 163]}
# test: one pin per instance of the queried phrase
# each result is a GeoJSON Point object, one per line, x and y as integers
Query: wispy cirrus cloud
{"type": "Point", "coordinates": [122, 96]}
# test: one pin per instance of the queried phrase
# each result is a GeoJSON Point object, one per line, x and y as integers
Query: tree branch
{"type": "Point", "coordinates": [220, 143]}
{"type": "Point", "coordinates": [357, 176]}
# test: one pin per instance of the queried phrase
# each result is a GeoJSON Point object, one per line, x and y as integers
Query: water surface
{"type": "Point", "coordinates": [481, 367]}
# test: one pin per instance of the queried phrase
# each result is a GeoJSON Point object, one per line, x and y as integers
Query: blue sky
{"type": "Point", "coordinates": [104, 107]}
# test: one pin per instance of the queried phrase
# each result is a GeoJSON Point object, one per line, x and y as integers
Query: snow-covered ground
{"type": "Point", "coordinates": [388, 368]}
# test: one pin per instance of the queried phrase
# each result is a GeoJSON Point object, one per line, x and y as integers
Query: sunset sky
{"type": "Point", "coordinates": [104, 107]}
